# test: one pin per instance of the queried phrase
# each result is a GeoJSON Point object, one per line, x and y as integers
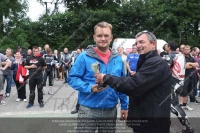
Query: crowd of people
{"type": "Point", "coordinates": [36, 67]}
{"type": "Point", "coordinates": [149, 84]}
{"type": "Point", "coordinates": [191, 86]}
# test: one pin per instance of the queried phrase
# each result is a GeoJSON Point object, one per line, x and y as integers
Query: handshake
{"type": "Point", "coordinates": [99, 77]}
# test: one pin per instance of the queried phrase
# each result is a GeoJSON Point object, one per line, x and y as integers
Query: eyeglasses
{"type": "Point", "coordinates": [150, 34]}
{"type": "Point", "coordinates": [147, 32]}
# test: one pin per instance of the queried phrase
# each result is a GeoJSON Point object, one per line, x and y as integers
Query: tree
{"type": "Point", "coordinates": [17, 37]}
{"type": "Point", "coordinates": [79, 5]}
{"type": "Point", "coordinates": [10, 8]}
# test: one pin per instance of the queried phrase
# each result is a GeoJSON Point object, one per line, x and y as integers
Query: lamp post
{"type": "Point", "coordinates": [46, 2]}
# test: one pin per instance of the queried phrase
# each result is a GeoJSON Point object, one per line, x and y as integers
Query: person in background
{"type": "Point", "coordinates": [40, 49]}
{"type": "Point", "coordinates": [198, 76]}
{"type": "Point", "coordinates": [8, 73]}
{"type": "Point", "coordinates": [194, 53]}
{"type": "Point", "coordinates": [124, 52]}
{"type": "Point", "coordinates": [189, 75]}
{"type": "Point", "coordinates": [56, 71]}
{"type": "Point", "coordinates": [29, 52]}
{"type": "Point", "coordinates": [120, 50]}
{"type": "Point", "coordinates": [35, 64]}
{"type": "Point", "coordinates": [20, 86]}
{"type": "Point", "coordinates": [6, 64]}
{"type": "Point", "coordinates": [48, 72]}
{"type": "Point", "coordinates": [66, 62]}
{"type": "Point", "coordinates": [159, 51]}
{"type": "Point", "coordinates": [82, 50]}
{"type": "Point", "coordinates": [182, 48]}
{"type": "Point", "coordinates": [46, 46]}
{"type": "Point", "coordinates": [177, 50]}
{"type": "Point", "coordinates": [132, 60]}
{"type": "Point", "coordinates": [61, 70]}
{"type": "Point", "coordinates": [19, 48]}
{"type": "Point", "coordinates": [165, 51]}
{"type": "Point", "coordinates": [77, 104]}
{"type": "Point", "coordinates": [78, 52]}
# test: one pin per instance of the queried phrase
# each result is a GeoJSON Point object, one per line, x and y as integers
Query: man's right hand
{"type": "Point", "coordinates": [132, 73]}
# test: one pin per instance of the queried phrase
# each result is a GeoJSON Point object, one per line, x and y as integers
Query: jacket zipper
{"type": "Point", "coordinates": [143, 111]}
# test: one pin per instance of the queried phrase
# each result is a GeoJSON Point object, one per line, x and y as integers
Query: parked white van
{"type": "Point", "coordinates": [127, 43]}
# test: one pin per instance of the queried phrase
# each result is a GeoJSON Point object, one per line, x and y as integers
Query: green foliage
{"type": "Point", "coordinates": [177, 20]}
{"type": "Point", "coordinates": [79, 5]}
{"type": "Point", "coordinates": [17, 37]}
{"type": "Point", "coordinates": [11, 9]}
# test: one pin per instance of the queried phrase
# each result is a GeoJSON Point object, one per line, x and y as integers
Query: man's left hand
{"type": "Point", "coordinates": [124, 114]}
{"type": "Point", "coordinates": [94, 88]}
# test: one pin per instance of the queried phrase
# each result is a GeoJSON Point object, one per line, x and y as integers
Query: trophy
{"type": "Point", "coordinates": [96, 69]}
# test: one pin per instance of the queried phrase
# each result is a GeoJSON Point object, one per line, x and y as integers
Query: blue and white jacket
{"type": "Point", "coordinates": [81, 78]}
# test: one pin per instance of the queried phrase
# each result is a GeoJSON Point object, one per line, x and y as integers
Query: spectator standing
{"type": "Point", "coordinates": [46, 46]}
{"type": "Point", "coordinates": [182, 48]}
{"type": "Point", "coordinates": [132, 60]}
{"type": "Point", "coordinates": [77, 104]}
{"type": "Point", "coordinates": [189, 75]}
{"type": "Point", "coordinates": [82, 50]}
{"type": "Point", "coordinates": [29, 53]}
{"type": "Point", "coordinates": [198, 76]}
{"type": "Point", "coordinates": [194, 53]}
{"type": "Point", "coordinates": [163, 53]}
{"type": "Point", "coordinates": [66, 62]}
{"type": "Point", "coordinates": [177, 50]}
{"type": "Point", "coordinates": [77, 54]}
{"type": "Point", "coordinates": [19, 48]}
{"type": "Point", "coordinates": [8, 73]}
{"type": "Point", "coordinates": [17, 64]}
{"type": "Point", "coordinates": [3, 67]}
{"type": "Point", "coordinates": [48, 72]}
{"type": "Point", "coordinates": [57, 56]}
{"type": "Point", "coordinates": [40, 49]}
{"type": "Point", "coordinates": [120, 50]}
{"type": "Point", "coordinates": [35, 64]}
{"type": "Point", "coordinates": [61, 70]}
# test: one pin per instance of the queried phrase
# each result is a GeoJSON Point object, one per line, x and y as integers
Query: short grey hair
{"type": "Point", "coordinates": [150, 35]}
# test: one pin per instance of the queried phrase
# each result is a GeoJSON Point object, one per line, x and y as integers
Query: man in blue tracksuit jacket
{"type": "Point", "coordinates": [95, 105]}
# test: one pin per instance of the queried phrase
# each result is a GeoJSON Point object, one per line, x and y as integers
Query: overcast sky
{"type": "Point", "coordinates": [36, 9]}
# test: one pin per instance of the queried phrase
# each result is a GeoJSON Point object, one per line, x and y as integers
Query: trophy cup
{"type": "Point", "coordinates": [96, 69]}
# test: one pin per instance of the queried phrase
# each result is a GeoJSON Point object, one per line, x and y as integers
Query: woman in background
{"type": "Point", "coordinates": [21, 86]}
